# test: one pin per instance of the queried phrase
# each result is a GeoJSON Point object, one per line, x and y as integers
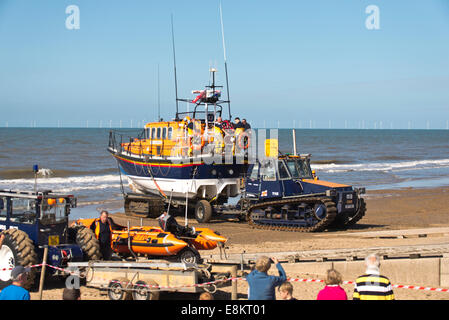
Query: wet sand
{"type": "Point", "coordinates": [386, 210]}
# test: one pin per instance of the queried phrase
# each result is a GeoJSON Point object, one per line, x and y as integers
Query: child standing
{"type": "Point", "coordinates": [332, 290]}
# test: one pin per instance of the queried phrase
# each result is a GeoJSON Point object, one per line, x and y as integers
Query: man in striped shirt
{"type": "Point", "coordinates": [372, 285]}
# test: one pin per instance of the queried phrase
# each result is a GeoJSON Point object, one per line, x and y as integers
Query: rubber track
{"type": "Point", "coordinates": [320, 226]}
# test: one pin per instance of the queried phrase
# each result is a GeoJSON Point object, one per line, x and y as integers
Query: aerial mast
{"type": "Point", "coordinates": [174, 66]}
{"type": "Point", "coordinates": [225, 62]}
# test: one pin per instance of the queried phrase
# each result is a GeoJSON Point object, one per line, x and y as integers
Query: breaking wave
{"type": "Point", "coordinates": [65, 184]}
{"type": "Point", "coordinates": [382, 166]}
{"type": "Point", "coordinates": [22, 173]}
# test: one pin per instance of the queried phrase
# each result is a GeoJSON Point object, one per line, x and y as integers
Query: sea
{"type": "Point", "coordinates": [76, 160]}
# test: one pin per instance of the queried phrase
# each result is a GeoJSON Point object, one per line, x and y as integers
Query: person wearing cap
{"type": "Point", "coordinates": [16, 290]}
{"type": "Point", "coordinates": [314, 175]}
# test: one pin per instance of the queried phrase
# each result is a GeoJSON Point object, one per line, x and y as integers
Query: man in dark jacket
{"type": "Point", "coordinates": [261, 285]}
{"type": "Point", "coordinates": [102, 227]}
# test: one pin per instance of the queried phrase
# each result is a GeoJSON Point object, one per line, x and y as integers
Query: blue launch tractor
{"type": "Point", "coordinates": [282, 193]}
{"type": "Point", "coordinates": [30, 220]}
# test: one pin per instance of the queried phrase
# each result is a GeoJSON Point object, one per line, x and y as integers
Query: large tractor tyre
{"type": "Point", "coordinates": [17, 250]}
{"type": "Point", "coordinates": [203, 211]}
{"type": "Point", "coordinates": [189, 255]}
{"type": "Point", "coordinates": [145, 291]}
{"type": "Point", "coordinates": [88, 243]}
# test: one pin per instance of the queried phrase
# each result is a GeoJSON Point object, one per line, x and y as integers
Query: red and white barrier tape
{"type": "Point", "coordinates": [205, 284]}
{"type": "Point", "coordinates": [399, 286]}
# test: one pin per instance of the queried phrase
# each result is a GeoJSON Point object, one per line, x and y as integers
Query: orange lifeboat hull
{"type": "Point", "coordinates": [147, 241]}
{"type": "Point", "coordinates": [153, 241]}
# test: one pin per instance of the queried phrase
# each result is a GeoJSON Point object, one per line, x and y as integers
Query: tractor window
{"type": "Point", "coordinates": [153, 133]}
{"type": "Point", "coordinates": [170, 133]}
{"type": "Point", "coordinates": [292, 167]}
{"type": "Point", "coordinates": [158, 133]}
{"type": "Point", "coordinates": [53, 211]}
{"type": "Point", "coordinates": [3, 208]}
{"type": "Point", "coordinates": [304, 169]}
{"type": "Point", "coordinates": [268, 171]}
{"type": "Point", "coordinates": [283, 173]}
{"type": "Point", "coordinates": [23, 210]}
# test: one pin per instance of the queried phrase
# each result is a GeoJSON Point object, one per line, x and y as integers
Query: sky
{"type": "Point", "coordinates": [290, 62]}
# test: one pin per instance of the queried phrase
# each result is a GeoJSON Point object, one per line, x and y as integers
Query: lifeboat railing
{"type": "Point", "coordinates": [130, 143]}
{"type": "Point", "coordinates": [118, 139]}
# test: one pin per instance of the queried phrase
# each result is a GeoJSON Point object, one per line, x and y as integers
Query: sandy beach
{"type": "Point", "coordinates": [386, 210]}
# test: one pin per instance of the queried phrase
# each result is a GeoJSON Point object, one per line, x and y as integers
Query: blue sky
{"type": "Point", "coordinates": [308, 63]}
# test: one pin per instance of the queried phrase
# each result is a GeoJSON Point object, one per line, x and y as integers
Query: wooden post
{"type": "Point", "coordinates": [234, 283]}
{"type": "Point", "coordinates": [44, 264]}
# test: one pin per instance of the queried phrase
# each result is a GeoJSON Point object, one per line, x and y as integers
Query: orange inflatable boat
{"type": "Point", "coordinates": [154, 241]}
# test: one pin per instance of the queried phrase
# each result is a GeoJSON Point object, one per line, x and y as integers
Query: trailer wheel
{"type": "Point", "coordinates": [203, 211]}
{"type": "Point", "coordinates": [117, 289]}
{"type": "Point", "coordinates": [142, 292]}
{"type": "Point", "coordinates": [17, 250]}
{"type": "Point", "coordinates": [88, 243]}
{"type": "Point", "coordinates": [189, 255]}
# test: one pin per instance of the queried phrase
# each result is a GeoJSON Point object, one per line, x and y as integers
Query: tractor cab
{"type": "Point", "coordinates": [278, 177]}
{"type": "Point", "coordinates": [31, 220]}
{"type": "Point", "coordinates": [43, 215]}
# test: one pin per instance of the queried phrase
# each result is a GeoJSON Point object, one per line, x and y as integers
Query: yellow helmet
{"type": "Point", "coordinates": [187, 119]}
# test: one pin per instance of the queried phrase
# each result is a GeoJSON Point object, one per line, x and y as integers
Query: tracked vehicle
{"type": "Point", "coordinates": [282, 194]}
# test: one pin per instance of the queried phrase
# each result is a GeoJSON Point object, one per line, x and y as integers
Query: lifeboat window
{"type": "Point", "coordinates": [170, 133]}
{"type": "Point", "coordinates": [153, 133]}
{"type": "Point", "coordinates": [164, 133]}
{"type": "Point", "coordinates": [158, 133]}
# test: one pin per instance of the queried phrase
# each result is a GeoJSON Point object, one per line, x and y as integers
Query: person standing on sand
{"type": "Point", "coordinates": [332, 290]}
{"type": "Point", "coordinates": [16, 291]}
{"type": "Point", "coordinates": [102, 227]}
{"type": "Point", "coordinates": [372, 285]}
{"type": "Point", "coordinates": [261, 285]}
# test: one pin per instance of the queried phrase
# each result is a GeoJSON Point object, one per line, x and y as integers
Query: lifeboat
{"type": "Point", "coordinates": [154, 241]}
{"type": "Point", "coordinates": [194, 155]}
